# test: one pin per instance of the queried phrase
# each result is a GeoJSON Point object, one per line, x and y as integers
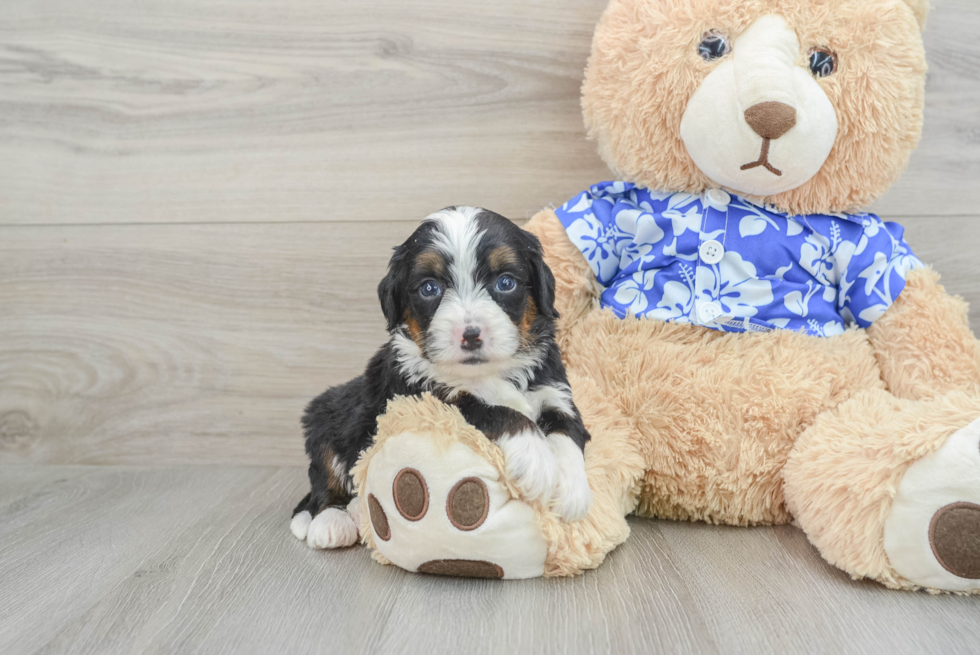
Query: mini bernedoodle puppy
{"type": "Point", "coordinates": [470, 308]}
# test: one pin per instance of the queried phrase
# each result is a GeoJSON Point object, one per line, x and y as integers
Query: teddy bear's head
{"type": "Point", "coordinates": [812, 105]}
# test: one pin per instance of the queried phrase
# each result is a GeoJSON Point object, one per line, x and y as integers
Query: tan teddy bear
{"type": "Point", "coordinates": [746, 347]}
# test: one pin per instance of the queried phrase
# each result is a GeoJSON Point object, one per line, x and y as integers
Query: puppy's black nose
{"type": "Point", "coordinates": [471, 338]}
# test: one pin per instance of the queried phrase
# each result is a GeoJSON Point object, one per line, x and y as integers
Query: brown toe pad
{"type": "Point", "coordinates": [462, 568]}
{"type": "Point", "coordinates": [379, 520]}
{"type": "Point", "coordinates": [411, 494]}
{"type": "Point", "coordinates": [468, 504]}
{"type": "Point", "coordinates": [955, 537]}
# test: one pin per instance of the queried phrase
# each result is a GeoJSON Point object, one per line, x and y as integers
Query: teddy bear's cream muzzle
{"type": "Point", "coordinates": [759, 123]}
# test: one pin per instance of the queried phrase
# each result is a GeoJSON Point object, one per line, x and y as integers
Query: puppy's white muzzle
{"type": "Point", "coordinates": [498, 336]}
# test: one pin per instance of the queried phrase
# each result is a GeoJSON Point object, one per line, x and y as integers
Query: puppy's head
{"type": "Point", "coordinates": [471, 290]}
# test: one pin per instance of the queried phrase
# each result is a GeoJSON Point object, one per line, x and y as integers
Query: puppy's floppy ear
{"type": "Point", "coordinates": [542, 280]}
{"type": "Point", "coordinates": [392, 286]}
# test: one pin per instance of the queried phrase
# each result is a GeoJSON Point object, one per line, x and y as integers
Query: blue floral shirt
{"type": "Point", "coordinates": [720, 261]}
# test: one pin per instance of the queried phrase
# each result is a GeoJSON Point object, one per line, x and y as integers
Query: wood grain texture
{"type": "Point", "coordinates": [106, 560]}
{"type": "Point", "coordinates": [191, 344]}
{"type": "Point", "coordinates": [218, 111]}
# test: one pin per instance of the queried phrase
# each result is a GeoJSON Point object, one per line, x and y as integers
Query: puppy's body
{"type": "Point", "coordinates": [470, 308]}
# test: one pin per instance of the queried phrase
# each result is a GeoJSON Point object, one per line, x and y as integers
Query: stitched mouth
{"type": "Point", "coordinates": [763, 160]}
{"type": "Point", "coordinates": [473, 361]}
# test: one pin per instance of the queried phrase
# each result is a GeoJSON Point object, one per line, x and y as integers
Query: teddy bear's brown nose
{"type": "Point", "coordinates": [770, 120]}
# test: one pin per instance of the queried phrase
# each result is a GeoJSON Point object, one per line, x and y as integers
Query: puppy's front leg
{"type": "Point", "coordinates": [568, 436]}
{"type": "Point", "coordinates": [531, 461]}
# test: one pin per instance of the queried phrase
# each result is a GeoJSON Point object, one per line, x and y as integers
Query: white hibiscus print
{"type": "Point", "coordinates": [681, 222]}
{"type": "Point", "coordinates": [734, 283]}
{"type": "Point", "coordinates": [678, 298]}
{"type": "Point", "coordinates": [599, 249]}
{"type": "Point", "coordinates": [638, 233]}
{"type": "Point", "coordinates": [825, 258]}
{"type": "Point", "coordinates": [632, 292]}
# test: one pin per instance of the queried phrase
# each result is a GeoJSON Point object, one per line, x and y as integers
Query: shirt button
{"type": "Point", "coordinates": [711, 252]}
{"type": "Point", "coordinates": [718, 199]}
{"type": "Point", "coordinates": [709, 311]}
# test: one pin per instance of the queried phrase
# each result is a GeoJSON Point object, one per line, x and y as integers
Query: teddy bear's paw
{"type": "Point", "coordinates": [572, 494]}
{"type": "Point", "coordinates": [331, 528]}
{"type": "Point", "coordinates": [444, 510]}
{"type": "Point", "coordinates": [531, 464]}
{"type": "Point", "coordinates": [932, 536]}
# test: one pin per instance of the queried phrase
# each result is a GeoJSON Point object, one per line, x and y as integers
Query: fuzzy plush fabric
{"type": "Point", "coordinates": [613, 467]}
{"type": "Point", "coordinates": [844, 471]}
{"type": "Point", "coordinates": [923, 343]}
{"type": "Point", "coordinates": [645, 67]}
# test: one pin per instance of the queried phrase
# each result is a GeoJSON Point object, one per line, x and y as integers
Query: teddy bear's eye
{"type": "Point", "coordinates": [822, 62]}
{"type": "Point", "coordinates": [713, 46]}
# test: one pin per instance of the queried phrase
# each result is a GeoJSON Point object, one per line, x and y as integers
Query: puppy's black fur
{"type": "Point", "coordinates": [341, 422]}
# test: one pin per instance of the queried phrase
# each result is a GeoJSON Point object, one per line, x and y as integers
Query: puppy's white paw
{"type": "Point", "coordinates": [531, 464]}
{"type": "Point", "coordinates": [573, 495]}
{"type": "Point", "coordinates": [300, 525]}
{"type": "Point", "coordinates": [331, 528]}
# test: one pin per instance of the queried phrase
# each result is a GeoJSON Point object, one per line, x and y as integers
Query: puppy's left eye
{"type": "Point", "coordinates": [506, 283]}
{"type": "Point", "coordinates": [430, 289]}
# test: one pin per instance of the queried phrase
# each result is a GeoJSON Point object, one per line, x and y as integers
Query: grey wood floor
{"type": "Point", "coordinates": [197, 198]}
{"type": "Point", "coordinates": [184, 560]}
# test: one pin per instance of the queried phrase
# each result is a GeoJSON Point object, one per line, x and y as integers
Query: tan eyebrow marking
{"type": "Point", "coordinates": [501, 256]}
{"type": "Point", "coordinates": [431, 262]}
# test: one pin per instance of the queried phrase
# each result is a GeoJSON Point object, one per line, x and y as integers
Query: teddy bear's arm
{"type": "Point", "coordinates": [576, 287]}
{"type": "Point", "coordinates": [923, 343]}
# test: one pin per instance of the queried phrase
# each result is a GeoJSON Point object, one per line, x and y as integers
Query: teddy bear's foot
{"type": "Point", "coordinates": [932, 535]}
{"type": "Point", "coordinates": [889, 489]}
{"type": "Point", "coordinates": [440, 507]}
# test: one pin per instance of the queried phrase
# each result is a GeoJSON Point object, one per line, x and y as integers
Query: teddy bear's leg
{"type": "Point", "coordinates": [889, 489]}
{"type": "Point", "coordinates": [923, 342]}
{"type": "Point", "coordinates": [435, 495]}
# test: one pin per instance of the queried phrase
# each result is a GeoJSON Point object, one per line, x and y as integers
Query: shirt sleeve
{"type": "Point", "coordinates": [875, 275]}
{"type": "Point", "coordinates": [588, 221]}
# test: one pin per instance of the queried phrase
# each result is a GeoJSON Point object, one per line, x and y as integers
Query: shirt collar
{"type": "Point", "coordinates": [619, 188]}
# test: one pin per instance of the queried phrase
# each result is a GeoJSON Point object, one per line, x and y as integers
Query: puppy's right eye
{"type": "Point", "coordinates": [430, 289]}
{"type": "Point", "coordinates": [714, 45]}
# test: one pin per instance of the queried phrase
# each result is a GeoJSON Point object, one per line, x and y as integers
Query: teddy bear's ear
{"type": "Point", "coordinates": [920, 8]}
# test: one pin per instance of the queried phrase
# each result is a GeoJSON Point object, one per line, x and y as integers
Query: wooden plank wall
{"type": "Point", "coordinates": [198, 197]}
